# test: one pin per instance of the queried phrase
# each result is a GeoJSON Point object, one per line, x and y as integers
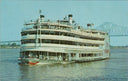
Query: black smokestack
{"type": "Point", "coordinates": [70, 15]}
{"type": "Point", "coordinates": [41, 16]}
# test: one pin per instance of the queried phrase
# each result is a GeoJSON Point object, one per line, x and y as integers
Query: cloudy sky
{"type": "Point", "coordinates": [13, 13]}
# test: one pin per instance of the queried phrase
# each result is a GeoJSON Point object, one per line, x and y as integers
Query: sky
{"type": "Point", "coordinates": [13, 14]}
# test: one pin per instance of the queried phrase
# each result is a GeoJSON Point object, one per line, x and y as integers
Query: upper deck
{"type": "Point", "coordinates": [65, 25]}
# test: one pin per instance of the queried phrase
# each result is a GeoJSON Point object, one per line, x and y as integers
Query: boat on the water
{"type": "Point", "coordinates": [61, 41]}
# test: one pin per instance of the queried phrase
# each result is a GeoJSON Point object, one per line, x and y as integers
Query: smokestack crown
{"type": "Point", "coordinates": [70, 15]}
{"type": "Point", "coordinates": [41, 16]}
{"type": "Point", "coordinates": [88, 24]}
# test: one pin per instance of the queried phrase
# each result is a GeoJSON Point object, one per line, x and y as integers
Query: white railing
{"type": "Point", "coordinates": [60, 48]}
{"type": "Point", "coordinates": [66, 38]}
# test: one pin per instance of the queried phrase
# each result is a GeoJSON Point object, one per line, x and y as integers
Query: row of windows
{"type": "Point", "coordinates": [60, 33]}
{"type": "Point", "coordinates": [89, 55]}
{"type": "Point", "coordinates": [52, 27]}
{"type": "Point", "coordinates": [37, 54]}
{"type": "Point", "coordinates": [56, 42]}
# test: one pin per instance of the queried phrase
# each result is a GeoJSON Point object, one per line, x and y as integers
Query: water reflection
{"type": "Point", "coordinates": [62, 72]}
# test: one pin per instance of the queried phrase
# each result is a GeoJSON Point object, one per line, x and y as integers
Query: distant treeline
{"type": "Point", "coordinates": [13, 45]}
{"type": "Point", "coordinates": [118, 46]}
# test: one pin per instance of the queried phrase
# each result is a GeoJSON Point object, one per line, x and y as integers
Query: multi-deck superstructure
{"type": "Point", "coordinates": [61, 41]}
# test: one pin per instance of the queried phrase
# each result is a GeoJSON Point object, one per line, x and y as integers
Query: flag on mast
{"type": "Point", "coordinates": [40, 11]}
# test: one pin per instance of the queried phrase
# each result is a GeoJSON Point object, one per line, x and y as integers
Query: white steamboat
{"type": "Point", "coordinates": [61, 41]}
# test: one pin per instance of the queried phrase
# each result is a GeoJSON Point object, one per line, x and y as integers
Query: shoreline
{"type": "Point", "coordinates": [18, 47]}
{"type": "Point", "coordinates": [10, 47]}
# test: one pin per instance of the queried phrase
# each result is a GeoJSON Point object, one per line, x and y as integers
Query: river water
{"type": "Point", "coordinates": [113, 69]}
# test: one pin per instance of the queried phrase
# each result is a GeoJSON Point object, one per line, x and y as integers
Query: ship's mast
{"type": "Point", "coordinates": [40, 26]}
{"type": "Point", "coordinates": [39, 21]}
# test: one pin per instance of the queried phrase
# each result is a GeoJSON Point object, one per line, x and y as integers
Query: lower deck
{"type": "Point", "coordinates": [41, 55]}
